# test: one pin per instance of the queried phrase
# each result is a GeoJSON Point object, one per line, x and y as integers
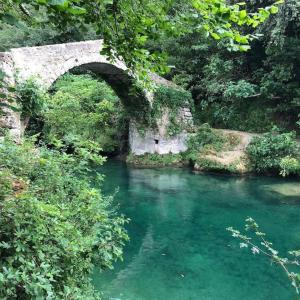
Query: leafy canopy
{"type": "Point", "coordinates": [127, 25]}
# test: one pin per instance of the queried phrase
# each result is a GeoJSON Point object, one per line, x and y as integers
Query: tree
{"type": "Point", "coordinates": [126, 26]}
{"type": "Point", "coordinates": [249, 91]}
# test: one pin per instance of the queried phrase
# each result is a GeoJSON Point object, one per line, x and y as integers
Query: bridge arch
{"type": "Point", "coordinates": [48, 63]}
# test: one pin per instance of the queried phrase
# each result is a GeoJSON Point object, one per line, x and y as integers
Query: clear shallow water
{"type": "Point", "coordinates": [179, 247]}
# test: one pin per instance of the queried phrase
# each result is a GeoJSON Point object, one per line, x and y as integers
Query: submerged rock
{"type": "Point", "coordinates": [290, 189]}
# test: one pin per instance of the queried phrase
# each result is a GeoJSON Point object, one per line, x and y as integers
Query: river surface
{"type": "Point", "coordinates": [179, 248]}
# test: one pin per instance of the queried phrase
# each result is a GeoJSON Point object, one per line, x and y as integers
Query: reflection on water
{"type": "Point", "coordinates": [179, 247]}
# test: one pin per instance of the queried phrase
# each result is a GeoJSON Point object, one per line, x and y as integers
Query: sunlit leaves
{"type": "Point", "coordinates": [75, 10]}
{"type": "Point", "coordinates": [60, 4]}
{"type": "Point", "coordinates": [215, 36]}
{"type": "Point", "coordinates": [274, 9]}
{"type": "Point", "coordinates": [265, 153]}
{"type": "Point", "coordinates": [220, 20]}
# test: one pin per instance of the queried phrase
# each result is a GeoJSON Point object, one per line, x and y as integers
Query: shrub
{"type": "Point", "coordinates": [266, 152]}
{"type": "Point", "coordinates": [206, 138]}
{"type": "Point", "coordinates": [155, 160]}
{"type": "Point", "coordinates": [54, 225]}
{"type": "Point", "coordinates": [210, 165]}
{"type": "Point", "coordinates": [289, 165]}
{"type": "Point", "coordinates": [6, 185]}
{"type": "Point", "coordinates": [31, 96]}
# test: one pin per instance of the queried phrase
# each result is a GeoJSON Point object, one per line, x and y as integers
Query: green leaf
{"type": "Point", "coordinates": [76, 10]}
{"type": "Point", "coordinates": [142, 39]}
{"type": "Point", "coordinates": [11, 89]}
{"type": "Point", "coordinates": [243, 14]}
{"type": "Point", "coordinates": [215, 36]}
{"type": "Point", "coordinates": [274, 9]}
{"type": "Point", "coordinates": [244, 48]}
{"type": "Point", "coordinates": [8, 19]}
{"type": "Point", "coordinates": [62, 4]}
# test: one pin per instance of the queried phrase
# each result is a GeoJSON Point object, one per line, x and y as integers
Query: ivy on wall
{"type": "Point", "coordinates": [170, 100]}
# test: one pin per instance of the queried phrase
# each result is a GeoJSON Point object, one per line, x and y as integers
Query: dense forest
{"type": "Point", "coordinates": [237, 65]}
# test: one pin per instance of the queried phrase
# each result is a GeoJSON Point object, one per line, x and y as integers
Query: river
{"type": "Point", "coordinates": [179, 248]}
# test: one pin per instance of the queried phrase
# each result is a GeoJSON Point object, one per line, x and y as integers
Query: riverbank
{"type": "Point", "coordinates": [226, 157]}
{"type": "Point", "coordinates": [231, 152]}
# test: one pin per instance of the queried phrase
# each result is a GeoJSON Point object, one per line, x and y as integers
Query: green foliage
{"type": "Point", "coordinates": [203, 140]}
{"type": "Point", "coordinates": [204, 136]}
{"type": "Point", "coordinates": [239, 90]}
{"type": "Point", "coordinates": [126, 26]}
{"type": "Point", "coordinates": [289, 165]}
{"type": "Point", "coordinates": [31, 96]}
{"type": "Point", "coordinates": [83, 109]}
{"type": "Point", "coordinates": [20, 30]}
{"type": "Point", "coordinates": [206, 145]}
{"type": "Point", "coordinates": [210, 165]}
{"type": "Point", "coordinates": [156, 160]}
{"type": "Point", "coordinates": [171, 97]}
{"type": "Point", "coordinates": [268, 153]}
{"type": "Point", "coordinates": [218, 14]}
{"type": "Point", "coordinates": [249, 92]}
{"type": "Point", "coordinates": [6, 184]}
{"type": "Point", "coordinates": [170, 100]}
{"type": "Point", "coordinates": [54, 225]}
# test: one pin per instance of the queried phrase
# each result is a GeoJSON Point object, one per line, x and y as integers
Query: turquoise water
{"type": "Point", "coordinates": [179, 247]}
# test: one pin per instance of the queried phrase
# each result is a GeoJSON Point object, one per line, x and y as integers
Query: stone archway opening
{"type": "Point", "coordinates": [134, 100]}
{"type": "Point", "coordinates": [100, 109]}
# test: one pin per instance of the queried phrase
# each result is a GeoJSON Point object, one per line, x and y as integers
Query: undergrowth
{"type": "Point", "coordinates": [156, 160]}
{"type": "Point", "coordinates": [54, 225]}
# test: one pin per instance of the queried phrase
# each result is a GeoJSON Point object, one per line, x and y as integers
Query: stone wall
{"type": "Point", "coordinates": [11, 119]}
{"type": "Point", "coordinates": [151, 141]}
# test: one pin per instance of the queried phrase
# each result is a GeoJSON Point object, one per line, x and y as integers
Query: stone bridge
{"type": "Point", "coordinates": [47, 63]}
